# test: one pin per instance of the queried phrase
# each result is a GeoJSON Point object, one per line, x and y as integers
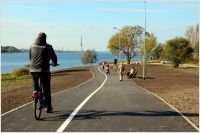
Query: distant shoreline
{"type": "Point", "coordinates": [12, 49]}
{"type": "Point", "coordinates": [53, 71]}
{"type": "Point", "coordinates": [66, 60]}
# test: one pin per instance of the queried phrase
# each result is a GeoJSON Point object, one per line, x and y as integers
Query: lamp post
{"type": "Point", "coordinates": [118, 42]}
{"type": "Point", "coordinates": [144, 59]}
{"type": "Point", "coordinates": [152, 51]}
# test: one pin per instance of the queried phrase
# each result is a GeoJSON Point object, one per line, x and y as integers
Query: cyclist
{"type": "Point", "coordinates": [40, 55]}
{"type": "Point", "coordinates": [107, 68]}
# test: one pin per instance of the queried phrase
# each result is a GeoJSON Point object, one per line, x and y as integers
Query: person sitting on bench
{"type": "Point", "coordinates": [132, 73]}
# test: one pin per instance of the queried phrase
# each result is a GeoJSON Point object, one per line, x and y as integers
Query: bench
{"type": "Point", "coordinates": [132, 75]}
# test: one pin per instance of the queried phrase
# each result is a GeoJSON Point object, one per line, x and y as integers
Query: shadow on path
{"type": "Point", "coordinates": [93, 114]}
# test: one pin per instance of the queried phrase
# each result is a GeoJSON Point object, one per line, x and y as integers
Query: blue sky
{"type": "Point", "coordinates": [65, 22]}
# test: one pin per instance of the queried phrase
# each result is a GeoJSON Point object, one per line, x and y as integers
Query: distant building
{"type": "Point", "coordinates": [81, 44]}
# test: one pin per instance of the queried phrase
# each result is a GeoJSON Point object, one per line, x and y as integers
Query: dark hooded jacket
{"type": "Point", "coordinates": [40, 55]}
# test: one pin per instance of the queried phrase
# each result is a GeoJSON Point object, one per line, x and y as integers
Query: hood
{"type": "Point", "coordinates": [41, 39]}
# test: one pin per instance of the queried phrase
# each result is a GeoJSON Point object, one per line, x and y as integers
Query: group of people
{"type": "Point", "coordinates": [120, 71]}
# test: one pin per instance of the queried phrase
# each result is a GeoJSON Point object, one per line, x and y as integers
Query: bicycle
{"type": "Point", "coordinates": [39, 102]}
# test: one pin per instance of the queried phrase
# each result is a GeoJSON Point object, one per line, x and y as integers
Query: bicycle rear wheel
{"type": "Point", "coordinates": [37, 108]}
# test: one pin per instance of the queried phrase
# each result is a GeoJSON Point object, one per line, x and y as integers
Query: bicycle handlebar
{"type": "Point", "coordinates": [52, 64]}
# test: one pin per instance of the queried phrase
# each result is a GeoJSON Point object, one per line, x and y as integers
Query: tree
{"type": "Point", "coordinates": [192, 34]}
{"type": "Point", "coordinates": [9, 49]}
{"type": "Point", "coordinates": [89, 57]}
{"type": "Point", "coordinates": [151, 44]}
{"type": "Point", "coordinates": [126, 41]}
{"type": "Point", "coordinates": [178, 50]}
{"type": "Point", "coordinates": [157, 51]}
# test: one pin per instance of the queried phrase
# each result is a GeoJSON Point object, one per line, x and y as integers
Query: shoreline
{"type": "Point", "coordinates": [51, 71]}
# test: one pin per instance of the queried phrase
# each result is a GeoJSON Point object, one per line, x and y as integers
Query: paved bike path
{"type": "Point", "coordinates": [121, 106]}
{"type": "Point", "coordinates": [64, 103]}
{"type": "Point", "coordinates": [117, 106]}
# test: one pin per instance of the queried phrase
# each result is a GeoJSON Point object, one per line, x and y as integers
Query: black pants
{"type": "Point", "coordinates": [45, 78]}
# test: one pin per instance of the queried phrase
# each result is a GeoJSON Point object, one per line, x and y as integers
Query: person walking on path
{"type": "Point", "coordinates": [121, 70]}
{"type": "Point", "coordinates": [40, 54]}
{"type": "Point", "coordinates": [115, 64]}
{"type": "Point", "coordinates": [103, 65]}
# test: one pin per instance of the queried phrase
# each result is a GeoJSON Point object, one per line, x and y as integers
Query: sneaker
{"type": "Point", "coordinates": [49, 110]}
{"type": "Point", "coordinates": [35, 95]}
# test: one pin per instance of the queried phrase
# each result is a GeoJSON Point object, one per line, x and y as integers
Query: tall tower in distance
{"type": "Point", "coordinates": [81, 44]}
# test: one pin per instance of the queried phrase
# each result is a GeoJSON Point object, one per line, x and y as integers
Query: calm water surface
{"type": "Point", "coordinates": [9, 62]}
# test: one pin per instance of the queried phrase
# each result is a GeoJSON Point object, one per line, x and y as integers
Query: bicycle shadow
{"type": "Point", "coordinates": [94, 114]}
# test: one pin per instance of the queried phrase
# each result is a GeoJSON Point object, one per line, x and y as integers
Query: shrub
{"type": "Point", "coordinates": [27, 65]}
{"type": "Point", "coordinates": [178, 51]}
{"type": "Point", "coordinates": [20, 72]}
{"type": "Point", "coordinates": [89, 57]}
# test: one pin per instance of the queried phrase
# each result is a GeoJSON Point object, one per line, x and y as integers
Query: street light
{"type": "Point", "coordinates": [118, 41]}
{"type": "Point", "coordinates": [152, 51]}
{"type": "Point", "coordinates": [144, 59]}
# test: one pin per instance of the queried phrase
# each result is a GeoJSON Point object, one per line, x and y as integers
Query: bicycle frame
{"type": "Point", "coordinates": [39, 103]}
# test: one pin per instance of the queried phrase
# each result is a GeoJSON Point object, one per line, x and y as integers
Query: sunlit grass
{"type": "Point", "coordinates": [9, 79]}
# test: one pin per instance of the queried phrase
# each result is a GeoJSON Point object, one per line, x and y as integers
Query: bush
{"type": "Point", "coordinates": [89, 57]}
{"type": "Point", "coordinates": [27, 65]}
{"type": "Point", "coordinates": [101, 63]}
{"type": "Point", "coordinates": [178, 51]}
{"type": "Point", "coordinates": [20, 72]}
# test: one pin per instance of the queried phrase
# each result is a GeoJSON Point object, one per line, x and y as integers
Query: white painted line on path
{"type": "Point", "coordinates": [52, 95]}
{"type": "Point", "coordinates": [170, 106]}
{"type": "Point", "coordinates": [73, 114]}
{"type": "Point", "coordinates": [16, 108]}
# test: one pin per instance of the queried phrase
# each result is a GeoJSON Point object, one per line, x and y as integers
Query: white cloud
{"type": "Point", "coordinates": [100, 0]}
{"type": "Point", "coordinates": [30, 7]}
{"type": "Point", "coordinates": [135, 10]}
{"type": "Point", "coordinates": [20, 6]}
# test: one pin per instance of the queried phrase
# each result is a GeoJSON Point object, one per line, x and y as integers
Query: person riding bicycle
{"type": "Point", "coordinates": [107, 68]}
{"type": "Point", "coordinates": [40, 55]}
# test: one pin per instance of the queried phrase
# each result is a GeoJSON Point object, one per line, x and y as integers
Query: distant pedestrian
{"type": "Point", "coordinates": [103, 65]}
{"type": "Point", "coordinates": [121, 70]}
{"type": "Point", "coordinates": [115, 64]}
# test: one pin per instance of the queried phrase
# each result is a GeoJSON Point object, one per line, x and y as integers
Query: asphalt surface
{"type": "Point", "coordinates": [118, 106]}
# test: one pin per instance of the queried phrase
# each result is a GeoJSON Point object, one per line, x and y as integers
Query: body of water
{"type": "Point", "coordinates": [9, 62]}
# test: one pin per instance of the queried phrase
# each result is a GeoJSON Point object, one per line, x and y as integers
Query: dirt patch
{"type": "Point", "coordinates": [178, 88]}
{"type": "Point", "coordinates": [16, 94]}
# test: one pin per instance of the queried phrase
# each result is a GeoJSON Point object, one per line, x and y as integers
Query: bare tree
{"type": "Point", "coordinates": [192, 35]}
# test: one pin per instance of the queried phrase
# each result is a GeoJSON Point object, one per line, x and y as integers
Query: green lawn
{"type": "Point", "coordinates": [9, 79]}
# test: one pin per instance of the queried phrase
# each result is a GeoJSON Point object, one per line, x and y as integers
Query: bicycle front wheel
{"type": "Point", "coordinates": [37, 109]}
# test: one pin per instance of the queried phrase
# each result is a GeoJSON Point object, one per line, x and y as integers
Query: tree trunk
{"type": "Point", "coordinates": [176, 65]}
{"type": "Point", "coordinates": [196, 53]}
{"type": "Point", "coordinates": [128, 59]}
